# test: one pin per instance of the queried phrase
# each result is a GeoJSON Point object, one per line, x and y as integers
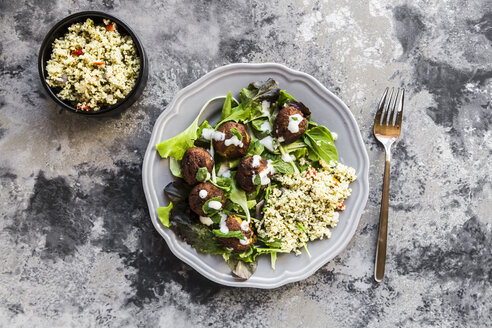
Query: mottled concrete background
{"type": "Point", "coordinates": [77, 247]}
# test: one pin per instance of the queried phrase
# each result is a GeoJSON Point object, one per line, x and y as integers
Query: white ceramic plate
{"type": "Point", "coordinates": [327, 109]}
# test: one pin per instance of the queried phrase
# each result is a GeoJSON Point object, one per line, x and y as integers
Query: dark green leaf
{"type": "Point", "coordinates": [231, 234]}
{"type": "Point", "coordinates": [255, 148]}
{"type": "Point", "coordinates": [186, 225]}
{"type": "Point", "coordinates": [320, 141]}
{"type": "Point", "coordinates": [283, 167]}
{"type": "Point", "coordinates": [207, 209]}
{"type": "Point", "coordinates": [283, 98]}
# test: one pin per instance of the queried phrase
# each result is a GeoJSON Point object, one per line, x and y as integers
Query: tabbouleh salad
{"type": "Point", "coordinates": [93, 66]}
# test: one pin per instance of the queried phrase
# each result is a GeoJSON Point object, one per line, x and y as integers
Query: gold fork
{"type": "Point", "coordinates": [387, 127]}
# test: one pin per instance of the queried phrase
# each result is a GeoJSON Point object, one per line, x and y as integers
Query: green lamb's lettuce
{"type": "Point", "coordinates": [320, 141]}
{"type": "Point", "coordinates": [163, 214]}
{"type": "Point", "coordinates": [177, 145]}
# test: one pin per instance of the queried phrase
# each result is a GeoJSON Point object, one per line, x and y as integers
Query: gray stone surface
{"type": "Point", "coordinates": [77, 245]}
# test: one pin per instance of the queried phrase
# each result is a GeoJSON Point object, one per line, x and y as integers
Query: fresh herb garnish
{"type": "Point", "coordinates": [163, 214]}
{"type": "Point", "coordinates": [206, 207]}
{"type": "Point", "coordinates": [238, 134]}
{"type": "Point", "coordinates": [201, 174]}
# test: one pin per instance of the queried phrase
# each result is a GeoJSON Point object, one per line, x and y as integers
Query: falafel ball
{"type": "Point", "coordinates": [232, 146]}
{"type": "Point", "coordinates": [235, 223]}
{"type": "Point", "coordinates": [193, 159]}
{"type": "Point", "coordinates": [289, 124]}
{"type": "Point", "coordinates": [201, 193]}
{"type": "Point", "coordinates": [248, 169]}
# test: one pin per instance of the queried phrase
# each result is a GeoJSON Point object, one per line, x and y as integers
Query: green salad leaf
{"type": "Point", "coordinates": [283, 167]}
{"type": "Point", "coordinates": [283, 98]}
{"type": "Point", "coordinates": [238, 196]}
{"type": "Point", "coordinates": [255, 148]}
{"type": "Point", "coordinates": [238, 134]}
{"type": "Point", "coordinates": [204, 125]}
{"type": "Point", "coordinates": [231, 234]}
{"type": "Point", "coordinates": [207, 209]}
{"type": "Point", "coordinates": [163, 214]}
{"type": "Point", "coordinates": [223, 183]}
{"type": "Point", "coordinates": [175, 167]}
{"type": "Point", "coordinates": [177, 145]}
{"type": "Point", "coordinates": [185, 224]}
{"type": "Point", "coordinates": [320, 141]}
{"type": "Point", "coordinates": [227, 107]}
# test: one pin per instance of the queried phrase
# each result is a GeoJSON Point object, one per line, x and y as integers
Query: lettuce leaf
{"type": "Point", "coordinates": [177, 145]}
{"type": "Point", "coordinates": [238, 196]}
{"type": "Point", "coordinates": [163, 214]}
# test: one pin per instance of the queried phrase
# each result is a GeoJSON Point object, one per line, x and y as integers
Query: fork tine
{"type": "Point", "coordinates": [386, 107]}
{"type": "Point", "coordinates": [381, 105]}
{"type": "Point", "coordinates": [400, 108]}
{"type": "Point", "coordinates": [392, 110]}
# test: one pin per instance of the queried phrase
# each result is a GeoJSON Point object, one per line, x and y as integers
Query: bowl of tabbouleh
{"type": "Point", "coordinates": [93, 63]}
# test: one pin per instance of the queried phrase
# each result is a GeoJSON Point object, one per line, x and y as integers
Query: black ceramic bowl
{"type": "Point", "coordinates": [60, 29]}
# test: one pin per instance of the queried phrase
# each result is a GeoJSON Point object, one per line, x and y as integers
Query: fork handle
{"type": "Point", "coordinates": [383, 224]}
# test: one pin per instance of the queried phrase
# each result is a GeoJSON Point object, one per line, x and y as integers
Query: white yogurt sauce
{"type": "Point", "coordinates": [266, 127]}
{"type": "Point", "coordinates": [256, 161]}
{"type": "Point", "coordinates": [224, 166]}
{"type": "Point", "coordinates": [222, 224]}
{"type": "Point", "coordinates": [280, 139]}
{"type": "Point", "coordinates": [269, 143]}
{"type": "Point", "coordinates": [203, 193]}
{"type": "Point", "coordinates": [215, 205]}
{"type": "Point", "coordinates": [288, 158]}
{"type": "Point", "coordinates": [294, 121]}
{"type": "Point", "coordinates": [245, 226]}
{"type": "Point", "coordinates": [334, 135]}
{"type": "Point", "coordinates": [234, 140]}
{"type": "Point", "coordinates": [265, 107]}
{"type": "Point", "coordinates": [206, 220]}
{"type": "Point", "coordinates": [212, 134]}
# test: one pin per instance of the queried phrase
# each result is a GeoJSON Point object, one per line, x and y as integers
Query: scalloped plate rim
{"type": "Point", "coordinates": [187, 254]}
